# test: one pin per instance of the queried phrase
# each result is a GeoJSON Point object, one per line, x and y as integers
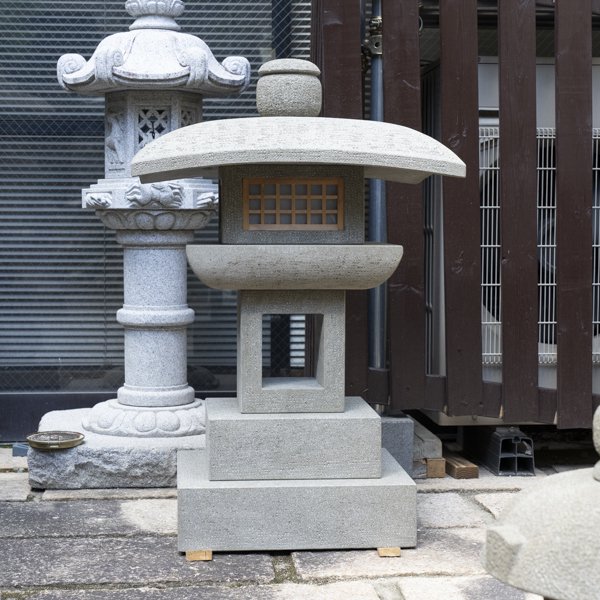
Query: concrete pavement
{"type": "Point", "coordinates": [108, 544]}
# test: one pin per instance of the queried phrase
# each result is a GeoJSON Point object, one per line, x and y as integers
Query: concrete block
{"type": "Point", "coordinates": [426, 446]}
{"type": "Point", "coordinates": [397, 438]}
{"type": "Point", "coordinates": [105, 461]}
{"type": "Point", "coordinates": [292, 446]}
{"type": "Point", "coordinates": [294, 514]}
{"type": "Point", "coordinates": [322, 393]}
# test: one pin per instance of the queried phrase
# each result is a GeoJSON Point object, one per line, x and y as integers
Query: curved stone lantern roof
{"type": "Point", "coordinates": [154, 54]}
{"type": "Point", "coordinates": [386, 151]}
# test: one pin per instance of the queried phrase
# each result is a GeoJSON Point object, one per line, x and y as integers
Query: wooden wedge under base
{"type": "Point", "coordinates": [195, 555]}
{"type": "Point", "coordinates": [386, 552]}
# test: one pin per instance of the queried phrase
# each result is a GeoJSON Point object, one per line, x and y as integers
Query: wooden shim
{"type": "Point", "coordinates": [199, 555]}
{"type": "Point", "coordinates": [389, 552]}
{"type": "Point", "coordinates": [436, 468]}
{"type": "Point", "coordinates": [459, 467]}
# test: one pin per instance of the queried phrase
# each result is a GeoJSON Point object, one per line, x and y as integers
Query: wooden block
{"type": "Point", "coordinates": [436, 467]}
{"type": "Point", "coordinates": [459, 467]}
{"type": "Point", "coordinates": [385, 552]}
{"type": "Point", "coordinates": [194, 555]}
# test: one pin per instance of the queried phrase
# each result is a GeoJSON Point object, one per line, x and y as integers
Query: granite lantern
{"type": "Point", "coordinates": [292, 463]}
{"type": "Point", "coordinates": [153, 78]}
{"type": "Point", "coordinates": [546, 541]}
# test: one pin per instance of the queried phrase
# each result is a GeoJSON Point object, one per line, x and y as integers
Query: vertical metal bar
{"type": "Point", "coordinates": [573, 45]}
{"type": "Point", "coordinates": [377, 232]}
{"type": "Point", "coordinates": [460, 132]}
{"type": "Point", "coordinates": [405, 215]}
{"type": "Point", "coordinates": [518, 202]}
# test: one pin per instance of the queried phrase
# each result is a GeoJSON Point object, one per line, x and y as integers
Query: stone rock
{"type": "Point", "coordinates": [106, 461]}
{"type": "Point", "coordinates": [546, 542]}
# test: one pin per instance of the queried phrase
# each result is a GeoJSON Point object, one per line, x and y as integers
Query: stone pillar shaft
{"type": "Point", "coordinates": [155, 316]}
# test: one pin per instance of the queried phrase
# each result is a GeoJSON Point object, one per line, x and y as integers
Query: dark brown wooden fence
{"type": "Point", "coordinates": [462, 391]}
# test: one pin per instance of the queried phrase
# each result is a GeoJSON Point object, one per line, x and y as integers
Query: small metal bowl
{"type": "Point", "coordinates": [54, 440]}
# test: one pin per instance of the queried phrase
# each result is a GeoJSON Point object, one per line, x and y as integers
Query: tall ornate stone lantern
{"type": "Point", "coordinates": [153, 78]}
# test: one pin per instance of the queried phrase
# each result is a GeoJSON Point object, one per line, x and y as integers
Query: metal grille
{"type": "Point", "coordinates": [491, 309]}
{"type": "Point", "coordinates": [491, 289]}
{"type": "Point", "coordinates": [60, 269]}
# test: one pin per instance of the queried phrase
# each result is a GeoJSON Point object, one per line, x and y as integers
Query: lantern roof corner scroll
{"type": "Point", "coordinates": [153, 54]}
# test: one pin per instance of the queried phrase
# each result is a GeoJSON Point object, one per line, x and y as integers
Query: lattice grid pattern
{"type": "Point", "coordinates": [306, 204]}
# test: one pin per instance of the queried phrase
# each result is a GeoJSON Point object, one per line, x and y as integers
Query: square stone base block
{"type": "Point", "coordinates": [105, 461]}
{"type": "Point", "coordinates": [294, 514]}
{"type": "Point", "coordinates": [292, 445]}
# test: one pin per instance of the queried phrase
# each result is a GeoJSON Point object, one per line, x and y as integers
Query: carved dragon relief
{"type": "Point", "coordinates": [155, 195]}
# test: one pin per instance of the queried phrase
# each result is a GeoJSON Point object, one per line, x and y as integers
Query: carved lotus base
{"type": "Point", "coordinates": [113, 418]}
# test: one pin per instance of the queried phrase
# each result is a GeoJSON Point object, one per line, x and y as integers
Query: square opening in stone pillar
{"type": "Point", "coordinates": [290, 350]}
{"type": "Point", "coordinates": [270, 378]}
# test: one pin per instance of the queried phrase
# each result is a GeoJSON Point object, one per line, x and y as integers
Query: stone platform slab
{"type": "Point", "coordinates": [292, 446]}
{"type": "Point", "coordinates": [294, 514]}
{"type": "Point", "coordinates": [105, 461]}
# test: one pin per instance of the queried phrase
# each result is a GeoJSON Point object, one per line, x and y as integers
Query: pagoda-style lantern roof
{"type": "Point", "coordinates": [153, 55]}
{"type": "Point", "coordinates": [289, 131]}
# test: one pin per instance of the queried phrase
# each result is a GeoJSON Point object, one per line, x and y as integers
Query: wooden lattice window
{"type": "Point", "coordinates": [306, 203]}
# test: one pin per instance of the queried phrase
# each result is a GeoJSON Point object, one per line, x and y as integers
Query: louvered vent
{"type": "Point", "coordinates": [60, 269]}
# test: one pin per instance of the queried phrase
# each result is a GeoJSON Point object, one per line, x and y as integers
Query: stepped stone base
{"type": "Point", "coordinates": [294, 514]}
{"type": "Point", "coordinates": [105, 461]}
{"type": "Point", "coordinates": [292, 445]}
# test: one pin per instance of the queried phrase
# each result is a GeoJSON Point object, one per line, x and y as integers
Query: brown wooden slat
{"type": "Point", "coordinates": [547, 404]}
{"type": "Point", "coordinates": [518, 201]}
{"type": "Point", "coordinates": [406, 293]}
{"type": "Point", "coordinates": [339, 43]}
{"type": "Point", "coordinates": [460, 131]}
{"type": "Point", "coordinates": [336, 45]}
{"type": "Point", "coordinates": [573, 44]}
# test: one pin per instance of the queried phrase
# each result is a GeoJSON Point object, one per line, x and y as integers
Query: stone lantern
{"type": "Point", "coordinates": [546, 541]}
{"type": "Point", "coordinates": [292, 463]}
{"type": "Point", "coordinates": [153, 78]}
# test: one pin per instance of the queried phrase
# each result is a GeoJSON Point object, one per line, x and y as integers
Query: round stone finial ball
{"type": "Point", "coordinates": [289, 87]}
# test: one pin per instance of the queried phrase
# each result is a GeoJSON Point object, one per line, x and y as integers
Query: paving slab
{"type": "Point", "coordinates": [495, 503]}
{"type": "Point", "coordinates": [450, 510]}
{"type": "Point", "coordinates": [14, 487]}
{"type": "Point", "coordinates": [354, 590]}
{"type": "Point", "coordinates": [487, 482]}
{"type": "Point", "coordinates": [449, 588]}
{"type": "Point", "coordinates": [151, 515]}
{"type": "Point", "coordinates": [109, 494]}
{"type": "Point", "coordinates": [439, 552]}
{"type": "Point", "coordinates": [10, 463]}
{"type": "Point", "coordinates": [136, 561]}
{"type": "Point", "coordinates": [66, 519]}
